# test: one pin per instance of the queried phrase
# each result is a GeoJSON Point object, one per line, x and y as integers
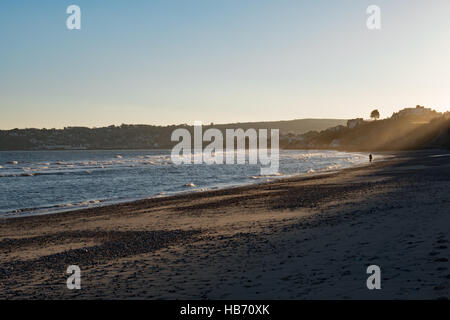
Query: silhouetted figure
{"type": "Point", "coordinates": [370, 157]}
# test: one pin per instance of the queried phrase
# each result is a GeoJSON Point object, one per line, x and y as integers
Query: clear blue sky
{"type": "Point", "coordinates": [176, 61]}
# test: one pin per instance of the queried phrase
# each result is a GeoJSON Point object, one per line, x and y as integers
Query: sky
{"type": "Point", "coordinates": [179, 61]}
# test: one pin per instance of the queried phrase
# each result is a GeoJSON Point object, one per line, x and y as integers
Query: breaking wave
{"type": "Point", "coordinates": [53, 181]}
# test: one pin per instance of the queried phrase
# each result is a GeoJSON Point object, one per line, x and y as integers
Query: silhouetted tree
{"type": "Point", "coordinates": [375, 114]}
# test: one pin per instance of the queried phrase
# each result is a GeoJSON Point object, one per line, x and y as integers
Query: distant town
{"type": "Point", "coordinates": [409, 128]}
{"type": "Point", "coordinates": [128, 136]}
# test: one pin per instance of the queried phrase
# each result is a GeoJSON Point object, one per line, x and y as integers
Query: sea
{"type": "Point", "coordinates": [43, 182]}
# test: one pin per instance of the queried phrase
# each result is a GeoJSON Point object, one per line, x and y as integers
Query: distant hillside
{"type": "Point", "coordinates": [134, 136]}
{"type": "Point", "coordinates": [442, 139]}
{"type": "Point", "coordinates": [298, 126]}
{"type": "Point", "coordinates": [410, 128]}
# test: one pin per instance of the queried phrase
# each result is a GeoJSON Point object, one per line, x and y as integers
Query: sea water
{"type": "Point", "coordinates": [40, 182]}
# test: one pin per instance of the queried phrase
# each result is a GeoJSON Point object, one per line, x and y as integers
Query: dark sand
{"type": "Point", "coordinates": [299, 238]}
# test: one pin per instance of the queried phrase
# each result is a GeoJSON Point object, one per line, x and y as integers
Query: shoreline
{"type": "Point", "coordinates": [293, 238]}
{"type": "Point", "coordinates": [177, 195]}
{"type": "Point", "coordinates": [97, 203]}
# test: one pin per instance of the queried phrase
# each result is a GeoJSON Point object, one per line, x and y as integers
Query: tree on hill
{"type": "Point", "coordinates": [375, 114]}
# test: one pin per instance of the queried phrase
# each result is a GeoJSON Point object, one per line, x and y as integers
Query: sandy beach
{"type": "Point", "coordinates": [309, 237]}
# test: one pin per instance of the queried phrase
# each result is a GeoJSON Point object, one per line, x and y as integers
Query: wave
{"type": "Point", "coordinates": [82, 167]}
{"type": "Point", "coordinates": [43, 173]}
{"type": "Point", "coordinates": [52, 208]}
{"type": "Point", "coordinates": [137, 176]}
{"type": "Point", "coordinates": [192, 185]}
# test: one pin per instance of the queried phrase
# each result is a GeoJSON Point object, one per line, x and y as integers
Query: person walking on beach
{"type": "Point", "coordinates": [370, 157]}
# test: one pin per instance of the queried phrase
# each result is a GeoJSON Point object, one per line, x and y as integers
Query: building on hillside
{"type": "Point", "coordinates": [354, 123]}
{"type": "Point", "coordinates": [417, 112]}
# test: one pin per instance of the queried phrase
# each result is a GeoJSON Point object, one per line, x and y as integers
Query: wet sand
{"type": "Point", "coordinates": [299, 238]}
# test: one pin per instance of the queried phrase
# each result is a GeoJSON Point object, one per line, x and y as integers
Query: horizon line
{"type": "Point", "coordinates": [170, 125]}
